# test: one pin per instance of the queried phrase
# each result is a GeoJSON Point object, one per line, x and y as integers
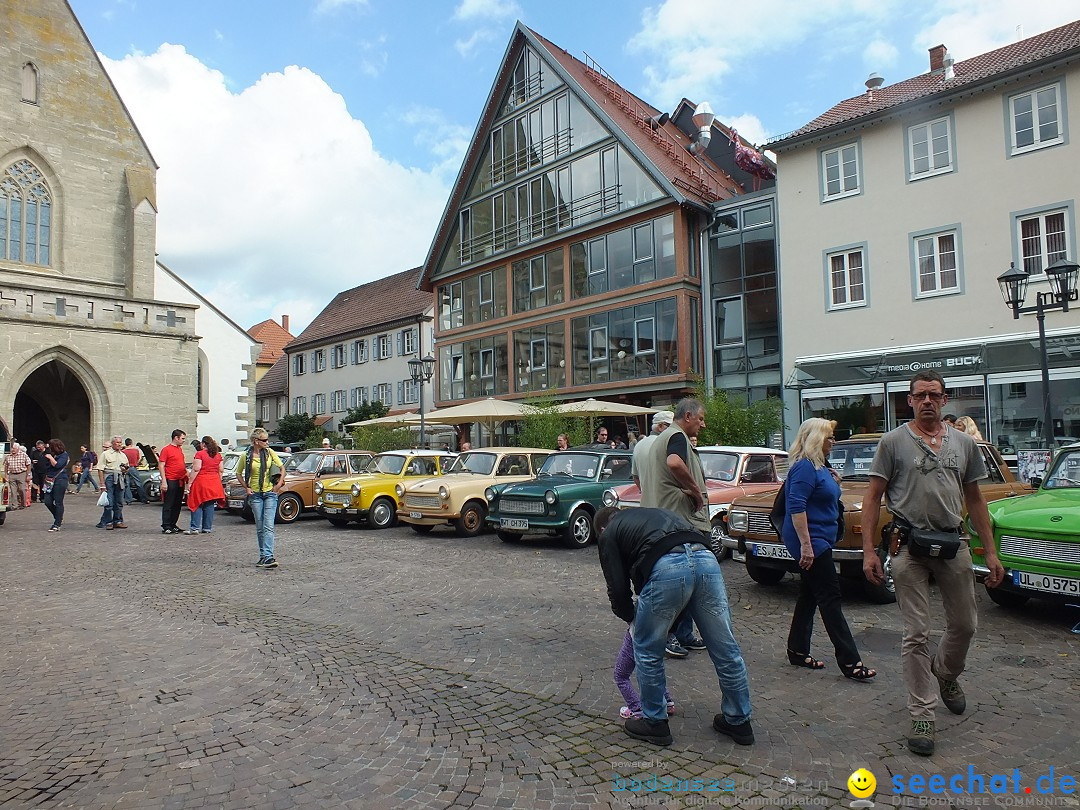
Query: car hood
{"type": "Point", "coordinates": [851, 493]}
{"type": "Point", "coordinates": [449, 481]}
{"type": "Point", "coordinates": [536, 487]}
{"type": "Point", "coordinates": [362, 478]}
{"type": "Point", "coordinates": [1044, 511]}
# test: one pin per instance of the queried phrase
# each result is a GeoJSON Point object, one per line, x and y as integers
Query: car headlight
{"type": "Point", "coordinates": [489, 494]}
{"type": "Point", "coordinates": [609, 498]}
{"type": "Point", "coordinates": [318, 487]}
{"type": "Point", "coordinates": [550, 497]}
{"type": "Point", "coordinates": [355, 490]}
{"type": "Point", "coordinates": [444, 493]}
{"type": "Point", "coordinates": [738, 520]}
{"type": "Point", "coordinates": [399, 490]}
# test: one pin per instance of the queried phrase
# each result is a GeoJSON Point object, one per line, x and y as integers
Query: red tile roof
{"type": "Point", "coordinates": [275, 381]}
{"type": "Point", "coordinates": [979, 69]}
{"type": "Point", "coordinates": [273, 337]}
{"type": "Point", "coordinates": [367, 308]}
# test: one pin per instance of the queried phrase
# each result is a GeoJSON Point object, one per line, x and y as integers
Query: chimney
{"type": "Point", "coordinates": [285, 322]}
{"type": "Point", "coordinates": [937, 57]}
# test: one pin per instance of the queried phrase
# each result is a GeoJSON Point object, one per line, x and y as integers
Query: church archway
{"type": "Point", "coordinates": [60, 398]}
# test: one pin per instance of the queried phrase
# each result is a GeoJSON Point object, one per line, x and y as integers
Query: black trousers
{"type": "Point", "coordinates": [820, 588]}
{"type": "Point", "coordinates": [172, 500]}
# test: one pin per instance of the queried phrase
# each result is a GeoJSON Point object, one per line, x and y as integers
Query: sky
{"type": "Point", "coordinates": [309, 146]}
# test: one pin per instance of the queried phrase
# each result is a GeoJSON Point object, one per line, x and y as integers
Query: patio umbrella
{"type": "Point", "coordinates": [602, 407]}
{"type": "Point", "coordinates": [400, 419]}
{"type": "Point", "coordinates": [489, 412]}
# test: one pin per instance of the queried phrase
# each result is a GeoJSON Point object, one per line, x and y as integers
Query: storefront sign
{"type": "Point", "coordinates": [943, 364]}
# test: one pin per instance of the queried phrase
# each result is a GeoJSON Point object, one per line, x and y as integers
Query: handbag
{"type": "Point", "coordinates": [47, 486]}
{"type": "Point", "coordinates": [936, 545]}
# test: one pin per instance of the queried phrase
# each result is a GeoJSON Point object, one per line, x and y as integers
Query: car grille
{"type": "Point", "coordinates": [333, 497]}
{"type": "Point", "coordinates": [520, 506]}
{"type": "Point", "coordinates": [422, 501]}
{"type": "Point", "coordinates": [758, 523]}
{"type": "Point", "coordinates": [1049, 550]}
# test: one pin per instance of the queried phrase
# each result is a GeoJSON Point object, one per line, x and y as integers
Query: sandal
{"type": "Point", "coordinates": [857, 672]}
{"type": "Point", "coordinates": [804, 660]}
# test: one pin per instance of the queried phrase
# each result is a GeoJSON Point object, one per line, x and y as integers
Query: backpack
{"type": "Point", "coordinates": [93, 457]}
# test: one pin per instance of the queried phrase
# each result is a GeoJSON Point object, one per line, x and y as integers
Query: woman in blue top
{"type": "Point", "coordinates": [56, 481]}
{"type": "Point", "coordinates": [811, 525]}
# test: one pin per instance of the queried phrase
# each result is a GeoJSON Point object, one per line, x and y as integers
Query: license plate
{"type": "Point", "coordinates": [331, 510]}
{"type": "Point", "coordinates": [416, 515]}
{"type": "Point", "coordinates": [514, 523]}
{"type": "Point", "coordinates": [1045, 582]}
{"type": "Point", "coordinates": [770, 551]}
{"type": "Point", "coordinates": [235, 504]}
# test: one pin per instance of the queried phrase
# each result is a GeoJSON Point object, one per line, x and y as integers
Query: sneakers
{"type": "Point", "coordinates": [172, 530]}
{"type": "Point", "coordinates": [109, 526]}
{"type": "Point", "coordinates": [921, 739]}
{"type": "Point", "coordinates": [625, 713]}
{"type": "Point", "coordinates": [192, 531]}
{"type": "Point", "coordinates": [267, 562]}
{"type": "Point", "coordinates": [54, 529]}
{"type": "Point", "coordinates": [694, 643]}
{"type": "Point", "coordinates": [674, 649]}
{"type": "Point", "coordinates": [259, 564]}
{"type": "Point", "coordinates": [743, 733]}
{"type": "Point", "coordinates": [119, 525]}
{"type": "Point", "coordinates": [657, 733]}
{"type": "Point", "coordinates": [952, 694]}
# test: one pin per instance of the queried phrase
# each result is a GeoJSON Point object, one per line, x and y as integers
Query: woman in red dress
{"type": "Point", "coordinates": [206, 493]}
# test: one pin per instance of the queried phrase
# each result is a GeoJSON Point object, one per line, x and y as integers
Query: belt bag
{"type": "Point", "coordinates": [937, 545]}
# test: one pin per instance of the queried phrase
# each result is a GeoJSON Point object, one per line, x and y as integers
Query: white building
{"type": "Point", "coordinates": [899, 209]}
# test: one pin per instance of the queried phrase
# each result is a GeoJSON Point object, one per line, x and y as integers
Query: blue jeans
{"type": "Point", "coordinates": [84, 478]}
{"type": "Point", "coordinates": [688, 576]}
{"type": "Point", "coordinates": [264, 506]}
{"type": "Point", "coordinates": [114, 512]}
{"type": "Point", "coordinates": [202, 519]}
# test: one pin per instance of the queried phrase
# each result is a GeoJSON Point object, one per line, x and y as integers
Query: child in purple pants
{"type": "Point", "coordinates": [624, 668]}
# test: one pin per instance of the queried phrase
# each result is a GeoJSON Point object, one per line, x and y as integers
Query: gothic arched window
{"type": "Point", "coordinates": [30, 83]}
{"type": "Point", "coordinates": [25, 214]}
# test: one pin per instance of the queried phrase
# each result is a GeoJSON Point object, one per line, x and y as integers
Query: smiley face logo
{"type": "Point", "coordinates": [862, 783]}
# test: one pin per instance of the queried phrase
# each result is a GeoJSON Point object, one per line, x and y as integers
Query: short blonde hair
{"type": "Point", "coordinates": [967, 424]}
{"type": "Point", "coordinates": [259, 433]}
{"type": "Point", "coordinates": [810, 441]}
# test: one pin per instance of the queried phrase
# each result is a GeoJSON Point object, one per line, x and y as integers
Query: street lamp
{"type": "Point", "coordinates": [421, 371]}
{"type": "Point", "coordinates": [1062, 276]}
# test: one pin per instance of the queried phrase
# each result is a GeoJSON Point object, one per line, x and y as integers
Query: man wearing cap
{"type": "Point", "coordinates": [325, 443]}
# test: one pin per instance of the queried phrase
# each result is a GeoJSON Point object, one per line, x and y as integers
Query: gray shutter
{"type": "Point", "coordinates": [401, 393]}
{"type": "Point", "coordinates": [400, 343]}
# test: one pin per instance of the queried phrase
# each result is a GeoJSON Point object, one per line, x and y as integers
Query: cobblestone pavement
{"type": "Point", "coordinates": [394, 670]}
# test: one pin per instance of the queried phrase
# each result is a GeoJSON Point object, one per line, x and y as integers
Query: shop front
{"type": "Point", "coordinates": [996, 383]}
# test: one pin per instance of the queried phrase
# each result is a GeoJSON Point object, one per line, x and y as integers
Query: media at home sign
{"type": "Point", "coordinates": [935, 364]}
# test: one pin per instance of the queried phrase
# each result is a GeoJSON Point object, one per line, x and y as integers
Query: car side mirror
{"type": "Point", "coordinates": [1036, 481]}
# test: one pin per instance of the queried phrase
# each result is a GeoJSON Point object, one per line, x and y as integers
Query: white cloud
{"type": "Point", "coordinates": [880, 55]}
{"type": "Point", "coordinates": [373, 56]}
{"type": "Point", "coordinates": [971, 27]}
{"type": "Point", "coordinates": [439, 136]}
{"type": "Point", "coordinates": [330, 6]}
{"type": "Point", "coordinates": [468, 47]}
{"type": "Point", "coordinates": [486, 10]}
{"type": "Point", "coordinates": [272, 199]}
{"type": "Point", "coordinates": [748, 126]}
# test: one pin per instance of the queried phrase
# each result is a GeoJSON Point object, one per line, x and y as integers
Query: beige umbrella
{"type": "Point", "coordinates": [401, 419]}
{"type": "Point", "coordinates": [489, 412]}
{"type": "Point", "coordinates": [602, 407]}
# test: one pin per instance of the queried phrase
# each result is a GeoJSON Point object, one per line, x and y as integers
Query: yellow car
{"type": "Point", "coordinates": [370, 496]}
{"type": "Point", "coordinates": [457, 498]}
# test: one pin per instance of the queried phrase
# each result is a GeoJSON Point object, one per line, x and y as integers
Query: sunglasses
{"type": "Point", "coordinates": [922, 395]}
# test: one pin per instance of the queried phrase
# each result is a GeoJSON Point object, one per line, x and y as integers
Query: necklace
{"type": "Point", "coordinates": [933, 437]}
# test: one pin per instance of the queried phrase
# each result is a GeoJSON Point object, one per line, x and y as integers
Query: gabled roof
{"type": "Point", "coordinates": [982, 69]}
{"type": "Point", "coordinates": [662, 153]}
{"type": "Point", "coordinates": [275, 381]}
{"type": "Point", "coordinates": [274, 338]}
{"type": "Point", "coordinates": [367, 308]}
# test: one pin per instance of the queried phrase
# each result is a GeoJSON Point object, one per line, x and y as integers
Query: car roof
{"type": "Point", "coordinates": [727, 448]}
{"type": "Point", "coordinates": [417, 452]}
{"type": "Point", "coordinates": [509, 450]}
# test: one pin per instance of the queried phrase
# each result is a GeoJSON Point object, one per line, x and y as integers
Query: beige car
{"type": "Point", "coordinates": [457, 497]}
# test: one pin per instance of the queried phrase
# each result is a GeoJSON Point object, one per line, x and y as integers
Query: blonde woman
{"type": "Point", "coordinates": [811, 529]}
{"type": "Point", "coordinates": [968, 426]}
{"type": "Point", "coordinates": [263, 475]}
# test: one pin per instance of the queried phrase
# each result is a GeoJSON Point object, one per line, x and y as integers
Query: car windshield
{"type": "Point", "coordinates": [853, 459]}
{"type": "Point", "coordinates": [576, 465]}
{"type": "Point", "coordinates": [304, 462]}
{"type": "Point", "coordinates": [479, 463]}
{"type": "Point", "coordinates": [228, 464]}
{"type": "Point", "coordinates": [390, 464]}
{"type": "Point", "coordinates": [721, 466]}
{"type": "Point", "coordinates": [1066, 471]}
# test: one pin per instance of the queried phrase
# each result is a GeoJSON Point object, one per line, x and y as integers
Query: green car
{"type": "Point", "coordinates": [1038, 538]}
{"type": "Point", "coordinates": [561, 500]}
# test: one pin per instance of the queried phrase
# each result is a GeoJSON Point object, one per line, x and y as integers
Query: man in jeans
{"type": "Point", "coordinates": [263, 475]}
{"type": "Point", "coordinates": [928, 472]}
{"type": "Point", "coordinates": [665, 559]}
{"type": "Point", "coordinates": [173, 468]}
{"type": "Point", "coordinates": [112, 472]}
{"type": "Point", "coordinates": [17, 470]}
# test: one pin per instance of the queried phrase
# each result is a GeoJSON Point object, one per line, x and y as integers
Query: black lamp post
{"type": "Point", "coordinates": [1062, 276]}
{"type": "Point", "coordinates": [421, 371]}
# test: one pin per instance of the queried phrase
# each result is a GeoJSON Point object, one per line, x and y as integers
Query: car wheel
{"type": "Point", "coordinates": [3, 517]}
{"type": "Point", "coordinates": [289, 508]}
{"type": "Point", "coordinates": [1006, 599]}
{"type": "Point", "coordinates": [719, 536]}
{"type": "Point", "coordinates": [151, 492]}
{"type": "Point", "coordinates": [471, 522]}
{"type": "Point", "coordinates": [763, 575]}
{"type": "Point", "coordinates": [338, 523]}
{"type": "Point", "coordinates": [509, 537]}
{"type": "Point", "coordinates": [885, 593]}
{"type": "Point", "coordinates": [420, 529]}
{"type": "Point", "coordinates": [383, 514]}
{"type": "Point", "coordinates": [579, 531]}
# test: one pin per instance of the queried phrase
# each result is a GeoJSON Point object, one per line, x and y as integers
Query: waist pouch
{"type": "Point", "coordinates": [937, 545]}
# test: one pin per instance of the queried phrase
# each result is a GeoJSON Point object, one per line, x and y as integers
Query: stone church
{"type": "Point", "coordinates": [86, 348]}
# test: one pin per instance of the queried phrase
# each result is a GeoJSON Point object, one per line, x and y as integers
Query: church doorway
{"type": "Point", "coordinates": [52, 403]}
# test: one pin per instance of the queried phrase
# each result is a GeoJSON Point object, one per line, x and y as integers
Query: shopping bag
{"type": "Point", "coordinates": [103, 498]}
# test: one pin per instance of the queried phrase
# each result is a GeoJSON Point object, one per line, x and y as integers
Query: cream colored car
{"type": "Point", "coordinates": [457, 497]}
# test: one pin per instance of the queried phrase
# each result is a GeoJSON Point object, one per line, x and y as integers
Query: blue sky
{"type": "Point", "coordinates": [307, 146]}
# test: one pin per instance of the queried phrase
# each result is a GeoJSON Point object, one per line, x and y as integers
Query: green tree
{"type": "Point", "coordinates": [369, 410]}
{"type": "Point", "coordinates": [543, 423]}
{"type": "Point", "coordinates": [382, 438]}
{"type": "Point", "coordinates": [733, 422]}
{"type": "Point", "coordinates": [294, 428]}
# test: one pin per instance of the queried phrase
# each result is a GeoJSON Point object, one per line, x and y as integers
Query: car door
{"type": "Point", "coordinates": [995, 486]}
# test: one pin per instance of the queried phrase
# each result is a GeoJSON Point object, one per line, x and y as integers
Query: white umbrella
{"type": "Point", "coordinates": [490, 412]}
{"type": "Point", "coordinates": [602, 407]}
{"type": "Point", "coordinates": [396, 419]}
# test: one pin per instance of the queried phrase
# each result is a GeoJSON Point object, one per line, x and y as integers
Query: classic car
{"type": "Point", "coordinates": [1037, 538]}
{"type": "Point", "coordinates": [730, 472]}
{"type": "Point", "coordinates": [370, 496]}
{"type": "Point", "coordinates": [457, 497]}
{"type": "Point", "coordinates": [302, 470]}
{"type": "Point", "coordinates": [561, 500]}
{"type": "Point", "coordinates": [753, 540]}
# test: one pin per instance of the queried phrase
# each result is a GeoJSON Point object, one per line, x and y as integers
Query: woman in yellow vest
{"type": "Point", "coordinates": [263, 475]}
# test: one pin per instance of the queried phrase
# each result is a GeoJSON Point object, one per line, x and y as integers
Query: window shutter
{"type": "Point", "coordinates": [401, 393]}
{"type": "Point", "coordinates": [416, 339]}
{"type": "Point", "coordinates": [400, 343]}
{"type": "Point", "coordinates": [375, 348]}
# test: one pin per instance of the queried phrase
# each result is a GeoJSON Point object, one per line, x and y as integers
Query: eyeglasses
{"type": "Point", "coordinates": [260, 440]}
{"type": "Point", "coordinates": [922, 395]}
